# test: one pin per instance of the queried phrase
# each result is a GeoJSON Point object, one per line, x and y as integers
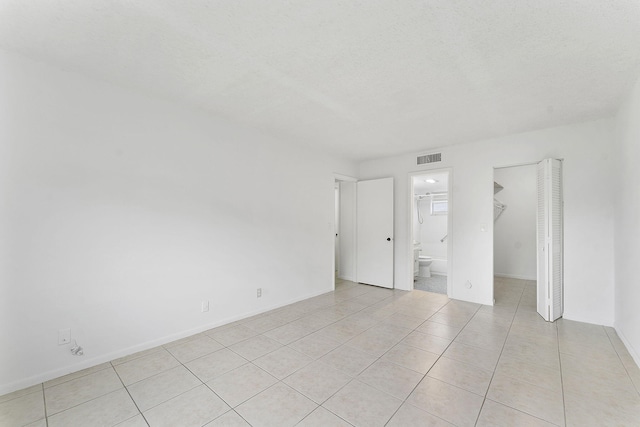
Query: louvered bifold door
{"type": "Point", "coordinates": [549, 236]}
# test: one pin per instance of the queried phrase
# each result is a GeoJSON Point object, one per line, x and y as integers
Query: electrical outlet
{"type": "Point", "coordinates": [259, 292]}
{"type": "Point", "coordinates": [205, 306]}
{"type": "Point", "coordinates": [64, 336]}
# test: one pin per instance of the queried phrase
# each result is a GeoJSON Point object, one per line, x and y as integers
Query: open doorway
{"type": "Point", "coordinates": [515, 236]}
{"type": "Point", "coordinates": [527, 239]}
{"type": "Point", "coordinates": [344, 229]}
{"type": "Point", "coordinates": [514, 230]}
{"type": "Point", "coordinates": [431, 209]}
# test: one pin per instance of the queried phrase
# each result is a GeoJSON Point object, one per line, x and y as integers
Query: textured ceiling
{"type": "Point", "coordinates": [361, 79]}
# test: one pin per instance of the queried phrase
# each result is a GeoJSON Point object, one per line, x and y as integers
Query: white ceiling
{"type": "Point", "coordinates": [360, 79]}
{"type": "Point", "coordinates": [421, 187]}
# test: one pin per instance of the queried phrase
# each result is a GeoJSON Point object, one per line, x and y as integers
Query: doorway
{"type": "Point", "coordinates": [527, 235]}
{"type": "Point", "coordinates": [514, 216]}
{"type": "Point", "coordinates": [514, 233]}
{"type": "Point", "coordinates": [430, 254]}
{"type": "Point", "coordinates": [344, 268]}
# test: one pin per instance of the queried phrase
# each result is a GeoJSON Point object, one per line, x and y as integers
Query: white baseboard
{"type": "Point", "coordinates": [515, 276]}
{"type": "Point", "coordinates": [89, 363]}
{"type": "Point", "coordinates": [632, 351]}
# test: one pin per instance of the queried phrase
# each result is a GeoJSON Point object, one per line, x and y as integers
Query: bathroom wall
{"type": "Point", "coordinates": [588, 256]}
{"type": "Point", "coordinates": [627, 230]}
{"type": "Point", "coordinates": [120, 213]}
{"type": "Point", "coordinates": [432, 230]}
{"type": "Point", "coordinates": [514, 233]}
{"type": "Point", "coordinates": [416, 224]}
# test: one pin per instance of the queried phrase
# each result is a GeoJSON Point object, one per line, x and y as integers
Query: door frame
{"type": "Point", "coordinates": [338, 178]}
{"type": "Point", "coordinates": [512, 165]}
{"type": "Point", "coordinates": [410, 210]}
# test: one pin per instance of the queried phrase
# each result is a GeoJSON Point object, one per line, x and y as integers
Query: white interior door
{"type": "Point", "coordinates": [550, 231]}
{"type": "Point", "coordinates": [374, 213]}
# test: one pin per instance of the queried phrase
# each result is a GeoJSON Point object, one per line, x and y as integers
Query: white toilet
{"type": "Point", "coordinates": [425, 266]}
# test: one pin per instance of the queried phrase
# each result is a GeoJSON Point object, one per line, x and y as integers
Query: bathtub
{"type": "Point", "coordinates": [439, 266]}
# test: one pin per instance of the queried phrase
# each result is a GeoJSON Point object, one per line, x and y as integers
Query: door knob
{"type": "Point", "coordinates": [388, 239]}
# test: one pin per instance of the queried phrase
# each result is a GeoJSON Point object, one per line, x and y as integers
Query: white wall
{"type": "Point", "coordinates": [432, 230]}
{"type": "Point", "coordinates": [120, 213]}
{"type": "Point", "coordinates": [586, 150]}
{"type": "Point", "coordinates": [514, 233]}
{"type": "Point", "coordinates": [627, 230]}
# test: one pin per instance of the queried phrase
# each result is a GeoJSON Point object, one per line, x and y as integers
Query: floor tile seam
{"type": "Point", "coordinates": [26, 394]}
{"type": "Point", "coordinates": [238, 414]}
{"type": "Point", "coordinates": [44, 403]}
{"type": "Point", "coordinates": [161, 372]}
{"type": "Point", "coordinates": [171, 398]}
{"type": "Point", "coordinates": [350, 314]}
{"type": "Point", "coordinates": [288, 375]}
{"type": "Point", "coordinates": [440, 323]}
{"type": "Point", "coordinates": [562, 390]}
{"type": "Point", "coordinates": [528, 362]}
{"type": "Point", "coordinates": [213, 352]}
{"type": "Point", "coordinates": [431, 367]}
{"type": "Point", "coordinates": [602, 345]}
{"type": "Point", "coordinates": [131, 397]}
{"type": "Point", "coordinates": [72, 379]}
{"type": "Point", "coordinates": [278, 382]}
{"type": "Point", "coordinates": [464, 363]}
{"type": "Point", "coordinates": [381, 359]}
{"type": "Point", "coordinates": [250, 397]}
{"type": "Point", "coordinates": [146, 355]}
{"type": "Point", "coordinates": [153, 375]}
{"type": "Point", "coordinates": [326, 409]}
{"type": "Point", "coordinates": [199, 357]}
{"type": "Point", "coordinates": [351, 378]}
{"type": "Point", "coordinates": [81, 403]}
{"type": "Point", "coordinates": [478, 348]}
{"type": "Point", "coordinates": [406, 402]}
{"type": "Point", "coordinates": [167, 349]}
{"type": "Point", "coordinates": [189, 338]}
{"type": "Point", "coordinates": [496, 365]}
{"type": "Point", "coordinates": [523, 412]}
{"type": "Point", "coordinates": [419, 348]}
{"type": "Point", "coordinates": [396, 343]}
{"type": "Point", "coordinates": [496, 337]}
{"type": "Point", "coordinates": [368, 385]}
{"type": "Point", "coordinates": [527, 382]}
{"type": "Point", "coordinates": [636, 386]}
{"type": "Point", "coordinates": [251, 360]}
{"type": "Point", "coordinates": [159, 347]}
{"type": "Point", "coordinates": [582, 356]}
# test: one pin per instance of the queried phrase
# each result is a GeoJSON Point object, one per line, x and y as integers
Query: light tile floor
{"type": "Point", "coordinates": [436, 283]}
{"type": "Point", "coordinates": [361, 356]}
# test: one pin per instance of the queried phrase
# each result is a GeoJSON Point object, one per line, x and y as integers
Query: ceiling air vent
{"type": "Point", "coordinates": [429, 158]}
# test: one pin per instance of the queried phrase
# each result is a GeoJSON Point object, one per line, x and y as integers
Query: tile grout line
{"type": "Point", "coordinates": [390, 299]}
{"type": "Point", "coordinates": [130, 397]}
{"type": "Point", "coordinates": [44, 402]}
{"type": "Point", "coordinates": [495, 368]}
{"type": "Point", "coordinates": [379, 358]}
{"type": "Point", "coordinates": [637, 387]}
{"type": "Point", "coordinates": [405, 400]}
{"type": "Point", "coordinates": [375, 361]}
{"type": "Point", "coordinates": [564, 404]}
